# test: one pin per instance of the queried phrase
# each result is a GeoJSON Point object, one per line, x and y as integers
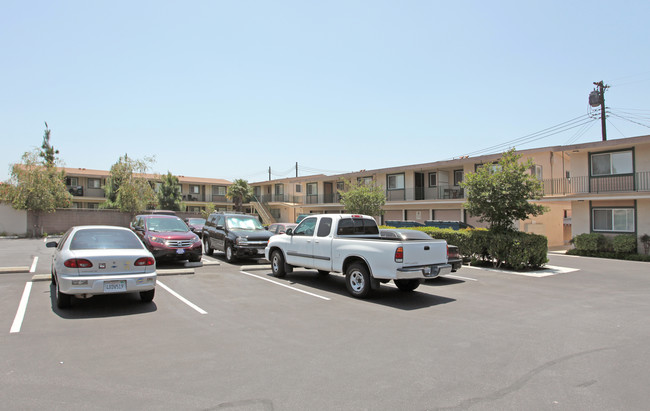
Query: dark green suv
{"type": "Point", "coordinates": [236, 235]}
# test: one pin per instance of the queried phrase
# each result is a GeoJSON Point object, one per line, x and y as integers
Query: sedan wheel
{"type": "Point", "coordinates": [62, 300]}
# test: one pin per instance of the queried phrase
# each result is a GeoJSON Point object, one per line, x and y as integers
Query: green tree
{"type": "Point", "coordinates": [500, 194]}
{"type": "Point", "coordinates": [47, 152]}
{"type": "Point", "coordinates": [239, 192]}
{"type": "Point", "coordinates": [127, 188]}
{"type": "Point", "coordinates": [169, 193]}
{"type": "Point", "coordinates": [37, 185]}
{"type": "Point", "coordinates": [209, 209]}
{"type": "Point", "coordinates": [361, 198]}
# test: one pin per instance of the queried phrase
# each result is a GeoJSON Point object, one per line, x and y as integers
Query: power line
{"type": "Point", "coordinates": [631, 121]}
{"type": "Point", "coordinates": [547, 132]}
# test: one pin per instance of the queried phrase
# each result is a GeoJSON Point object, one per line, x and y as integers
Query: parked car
{"type": "Point", "coordinates": [350, 244]}
{"type": "Point", "coordinates": [236, 235]}
{"type": "Point", "coordinates": [280, 228]}
{"type": "Point", "coordinates": [196, 225]}
{"type": "Point", "coordinates": [400, 223]}
{"type": "Point", "coordinates": [93, 260]}
{"type": "Point", "coordinates": [453, 255]}
{"type": "Point", "coordinates": [454, 225]}
{"type": "Point", "coordinates": [167, 237]}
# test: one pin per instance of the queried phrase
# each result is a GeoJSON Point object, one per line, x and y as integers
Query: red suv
{"type": "Point", "coordinates": [167, 237]}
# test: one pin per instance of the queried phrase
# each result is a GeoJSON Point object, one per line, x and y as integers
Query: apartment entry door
{"type": "Point", "coordinates": [419, 186]}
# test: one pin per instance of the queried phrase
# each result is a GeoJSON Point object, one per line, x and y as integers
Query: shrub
{"type": "Point", "coordinates": [591, 242]}
{"type": "Point", "coordinates": [516, 250]}
{"type": "Point", "coordinates": [625, 243]}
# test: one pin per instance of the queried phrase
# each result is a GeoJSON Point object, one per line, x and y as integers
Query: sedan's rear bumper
{"type": "Point", "coordinates": [95, 285]}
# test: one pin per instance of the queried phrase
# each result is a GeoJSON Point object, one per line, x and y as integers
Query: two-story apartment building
{"type": "Point", "coordinates": [87, 189]}
{"type": "Point", "coordinates": [602, 186]}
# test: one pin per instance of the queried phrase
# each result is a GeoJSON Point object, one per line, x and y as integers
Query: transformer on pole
{"type": "Point", "coordinates": [597, 98]}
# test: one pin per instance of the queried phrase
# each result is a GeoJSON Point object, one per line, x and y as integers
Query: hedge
{"type": "Point", "coordinates": [516, 250]}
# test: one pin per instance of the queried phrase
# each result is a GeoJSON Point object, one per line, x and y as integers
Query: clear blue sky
{"type": "Point", "coordinates": [227, 89]}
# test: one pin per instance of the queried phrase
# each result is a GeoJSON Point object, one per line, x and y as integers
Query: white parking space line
{"type": "Point", "coordinates": [33, 268]}
{"type": "Point", "coordinates": [183, 299]}
{"type": "Point", "coordinates": [286, 286]}
{"type": "Point", "coordinates": [547, 271]}
{"type": "Point", "coordinates": [22, 307]}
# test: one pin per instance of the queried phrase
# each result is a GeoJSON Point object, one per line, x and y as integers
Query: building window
{"type": "Point", "coordinates": [94, 183]}
{"type": "Point", "coordinates": [298, 188]}
{"type": "Point", "coordinates": [195, 189]}
{"type": "Point", "coordinates": [93, 206]}
{"type": "Point", "coordinates": [613, 219]}
{"type": "Point", "coordinates": [458, 177]}
{"type": "Point", "coordinates": [433, 179]}
{"type": "Point", "coordinates": [219, 190]}
{"type": "Point", "coordinates": [279, 189]}
{"type": "Point", "coordinates": [607, 164]}
{"type": "Point", "coordinates": [366, 181]}
{"type": "Point", "coordinates": [312, 189]}
{"type": "Point", "coordinates": [71, 181]}
{"type": "Point", "coordinates": [395, 181]}
{"type": "Point", "coordinates": [537, 171]}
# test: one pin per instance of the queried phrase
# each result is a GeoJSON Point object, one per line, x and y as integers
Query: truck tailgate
{"type": "Point", "coordinates": [425, 252]}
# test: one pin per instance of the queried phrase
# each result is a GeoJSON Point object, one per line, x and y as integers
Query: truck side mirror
{"type": "Point", "coordinates": [289, 231]}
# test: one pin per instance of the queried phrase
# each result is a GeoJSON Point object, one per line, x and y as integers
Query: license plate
{"type": "Point", "coordinates": [180, 251]}
{"type": "Point", "coordinates": [114, 286]}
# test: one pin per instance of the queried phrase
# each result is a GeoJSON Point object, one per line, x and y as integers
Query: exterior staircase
{"type": "Point", "coordinates": [262, 211]}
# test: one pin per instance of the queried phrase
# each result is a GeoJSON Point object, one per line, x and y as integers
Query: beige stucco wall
{"type": "Point", "coordinates": [643, 219]}
{"type": "Point", "coordinates": [549, 224]}
{"type": "Point", "coordinates": [12, 222]}
{"type": "Point", "coordinates": [580, 217]}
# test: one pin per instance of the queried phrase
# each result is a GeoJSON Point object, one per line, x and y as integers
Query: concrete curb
{"type": "Point", "coordinates": [255, 267]}
{"type": "Point", "coordinates": [9, 270]}
{"type": "Point", "coordinates": [161, 273]}
{"type": "Point", "coordinates": [177, 271]}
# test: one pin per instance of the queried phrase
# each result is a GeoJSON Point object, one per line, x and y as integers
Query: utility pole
{"type": "Point", "coordinates": [296, 169]}
{"type": "Point", "coordinates": [597, 98]}
{"type": "Point", "coordinates": [269, 173]}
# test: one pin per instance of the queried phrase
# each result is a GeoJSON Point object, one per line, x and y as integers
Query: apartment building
{"type": "Point", "coordinates": [602, 186]}
{"type": "Point", "coordinates": [86, 187]}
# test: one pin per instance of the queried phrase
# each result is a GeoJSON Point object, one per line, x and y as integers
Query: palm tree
{"type": "Point", "coordinates": [239, 192]}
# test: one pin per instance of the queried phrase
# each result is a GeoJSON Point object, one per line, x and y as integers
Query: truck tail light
{"type": "Point", "coordinates": [77, 263]}
{"type": "Point", "coordinates": [144, 261]}
{"type": "Point", "coordinates": [399, 255]}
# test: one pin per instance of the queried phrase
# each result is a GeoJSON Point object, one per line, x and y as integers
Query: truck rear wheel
{"type": "Point", "coordinates": [407, 285]}
{"type": "Point", "coordinates": [277, 264]}
{"type": "Point", "coordinates": [357, 280]}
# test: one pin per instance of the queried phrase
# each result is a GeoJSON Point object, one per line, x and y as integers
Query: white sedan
{"type": "Point", "coordinates": [92, 260]}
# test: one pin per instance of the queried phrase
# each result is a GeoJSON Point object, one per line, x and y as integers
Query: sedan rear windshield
{"type": "Point", "coordinates": [100, 238]}
{"type": "Point", "coordinates": [357, 226]}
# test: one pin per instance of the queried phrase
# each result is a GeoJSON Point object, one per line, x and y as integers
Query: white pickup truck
{"type": "Point", "coordinates": [350, 244]}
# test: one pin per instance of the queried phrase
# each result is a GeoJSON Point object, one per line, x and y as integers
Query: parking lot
{"type": "Point", "coordinates": [575, 336]}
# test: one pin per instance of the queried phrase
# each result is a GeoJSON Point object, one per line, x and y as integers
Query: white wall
{"type": "Point", "coordinates": [12, 221]}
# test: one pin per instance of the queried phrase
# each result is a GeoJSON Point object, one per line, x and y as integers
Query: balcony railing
{"type": "Point", "coordinates": [598, 185]}
{"type": "Point", "coordinates": [443, 192]}
{"type": "Point", "coordinates": [552, 187]}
